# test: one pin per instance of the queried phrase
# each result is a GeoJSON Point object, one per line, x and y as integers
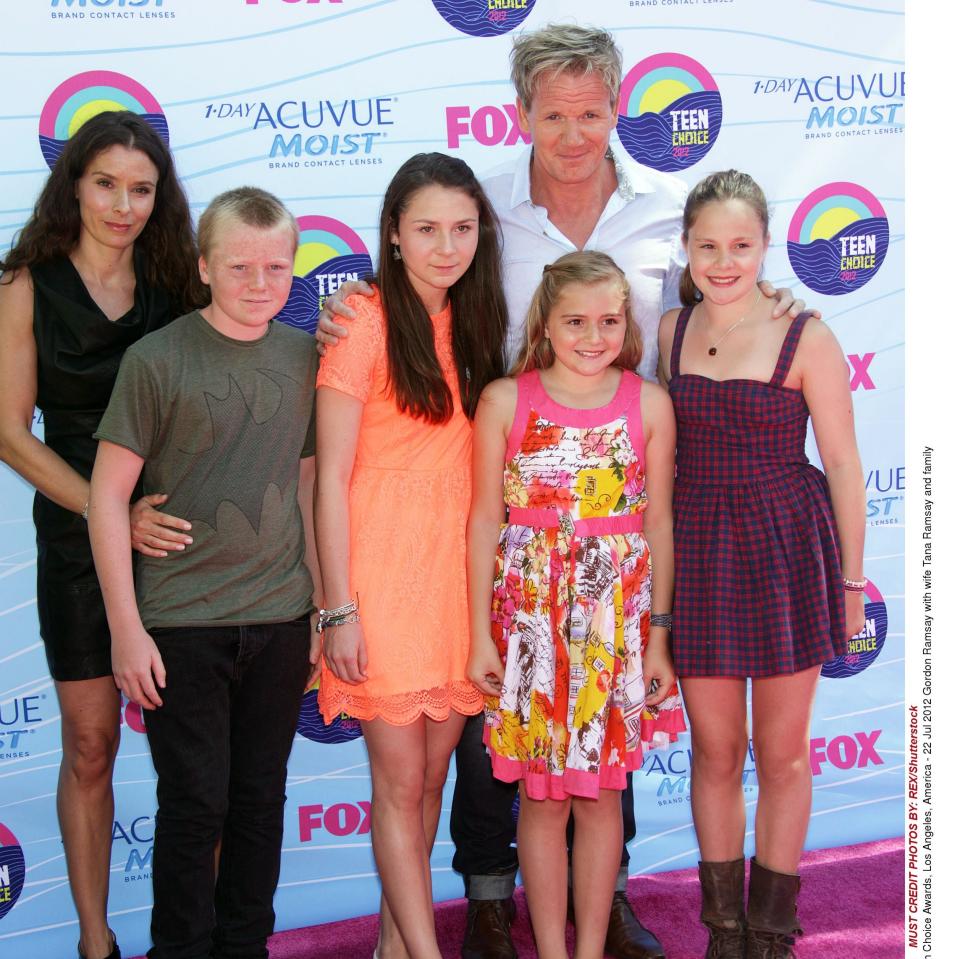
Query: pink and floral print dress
{"type": "Point", "coordinates": [571, 601]}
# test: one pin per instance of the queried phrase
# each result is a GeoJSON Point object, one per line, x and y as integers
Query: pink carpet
{"type": "Point", "coordinates": [851, 907]}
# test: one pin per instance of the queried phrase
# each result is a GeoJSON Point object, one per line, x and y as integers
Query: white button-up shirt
{"type": "Point", "coordinates": [639, 228]}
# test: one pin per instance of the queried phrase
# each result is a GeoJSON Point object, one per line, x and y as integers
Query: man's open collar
{"type": "Point", "coordinates": [632, 178]}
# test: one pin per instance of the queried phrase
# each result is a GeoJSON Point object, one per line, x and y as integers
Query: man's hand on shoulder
{"type": "Point", "coordinates": [329, 332]}
{"type": "Point", "coordinates": [786, 301]}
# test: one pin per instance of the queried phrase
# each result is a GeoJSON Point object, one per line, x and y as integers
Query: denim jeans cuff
{"type": "Point", "coordinates": [622, 876]}
{"type": "Point", "coordinates": [491, 886]}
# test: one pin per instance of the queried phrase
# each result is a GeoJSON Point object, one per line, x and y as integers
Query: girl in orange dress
{"type": "Point", "coordinates": [393, 490]}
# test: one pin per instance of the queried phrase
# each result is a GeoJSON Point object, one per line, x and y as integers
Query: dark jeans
{"type": "Point", "coordinates": [482, 823]}
{"type": "Point", "coordinates": [220, 744]}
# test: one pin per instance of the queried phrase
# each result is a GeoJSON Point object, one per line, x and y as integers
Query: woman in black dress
{"type": "Point", "coordinates": [107, 256]}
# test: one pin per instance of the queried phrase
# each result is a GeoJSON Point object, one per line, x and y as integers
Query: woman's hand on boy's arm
{"type": "Point", "coordinates": [137, 666]}
{"type": "Point", "coordinates": [154, 533]}
{"type": "Point", "coordinates": [329, 332]}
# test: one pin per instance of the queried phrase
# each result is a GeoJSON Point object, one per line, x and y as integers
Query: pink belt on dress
{"type": "Point", "coordinates": [553, 518]}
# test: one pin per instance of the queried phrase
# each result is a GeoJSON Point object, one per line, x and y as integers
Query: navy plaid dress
{"type": "Point", "coordinates": [759, 589]}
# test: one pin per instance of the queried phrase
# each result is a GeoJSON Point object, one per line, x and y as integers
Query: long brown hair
{"type": "Point", "coordinates": [167, 242]}
{"type": "Point", "coordinates": [476, 299]}
{"type": "Point", "coordinates": [588, 267]}
{"type": "Point", "coordinates": [717, 187]}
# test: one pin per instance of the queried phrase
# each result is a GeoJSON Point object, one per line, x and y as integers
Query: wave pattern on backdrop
{"type": "Point", "coordinates": [811, 102]}
{"type": "Point", "coordinates": [80, 97]}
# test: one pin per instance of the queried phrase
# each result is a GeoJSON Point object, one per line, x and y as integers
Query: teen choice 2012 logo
{"type": "Point", "coordinates": [329, 254]}
{"type": "Point", "coordinates": [670, 112]}
{"type": "Point", "coordinates": [12, 870]}
{"type": "Point", "coordinates": [865, 647]}
{"type": "Point", "coordinates": [84, 96]}
{"type": "Point", "coordinates": [484, 18]}
{"type": "Point", "coordinates": [311, 726]}
{"type": "Point", "coordinates": [838, 238]}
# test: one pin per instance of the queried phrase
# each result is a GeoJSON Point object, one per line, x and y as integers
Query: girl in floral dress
{"type": "Point", "coordinates": [580, 681]}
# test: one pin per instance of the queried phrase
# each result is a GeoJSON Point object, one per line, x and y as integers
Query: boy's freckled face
{"type": "Point", "coordinates": [249, 270]}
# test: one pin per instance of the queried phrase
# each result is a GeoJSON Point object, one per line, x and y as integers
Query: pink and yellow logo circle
{"type": "Point", "coordinates": [838, 238]}
{"type": "Point", "coordinates": [866, 646]}
{"type": "Point", "coordinates": [12, 870]}
{"type": "Point", "coordinates": [85, 95]}
{"type": "Point", "coordinates": [670, 112]}
{"type": "Point", "coordinates": [329, 253]}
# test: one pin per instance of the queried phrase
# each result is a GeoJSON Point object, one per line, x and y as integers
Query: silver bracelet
{"type": "Point", "coordinates": [347, 613]}
{"type": "Point", "coordinates": [353, 617]}
{"type": "Point", "coordinates": [662, 619]}
{"type": "Point", "coordinates": [85, 510]}
{"type": "Point", "coordinates": [854, 585]}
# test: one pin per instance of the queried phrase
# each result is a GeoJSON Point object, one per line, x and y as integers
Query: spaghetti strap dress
{"type": "Point", "coordinates": [759, 591]}
{"type": "Point", "coordinates": [571, 601]}
{"type": "Point", "coordinates": [78, 356]}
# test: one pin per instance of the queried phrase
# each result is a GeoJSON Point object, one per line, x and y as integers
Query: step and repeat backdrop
{"type": "Point", "coordinates": [320, 101]}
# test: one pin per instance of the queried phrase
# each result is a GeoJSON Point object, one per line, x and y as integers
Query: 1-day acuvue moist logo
{"type": "Point", "coordinates": [329, 254]}
{"type": "Point", "coordinates": [865, 647]}
{"type": "Point", "coordinates": [84, 96]}
{"type": "Point", "coordinates": [838, 238]}
{"type": "Point", "coordinates": [670, 112]}
{"type": "Point", "coordinates": [12, 870]}
{"type": "Point", "coordinates": [484, 18]}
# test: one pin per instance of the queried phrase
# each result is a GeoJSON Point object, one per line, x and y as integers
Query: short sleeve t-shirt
{"type": "Point", "coordinates": [221, 425]}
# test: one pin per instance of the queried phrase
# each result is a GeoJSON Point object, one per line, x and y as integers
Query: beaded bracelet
{"type": "Point", "coordinates": [662, 619]}
{"type": "Point", "coordinates": [854, 585]}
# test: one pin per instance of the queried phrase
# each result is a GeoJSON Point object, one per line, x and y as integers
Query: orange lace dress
{"type": "Point", "coordinates": [408, 502]}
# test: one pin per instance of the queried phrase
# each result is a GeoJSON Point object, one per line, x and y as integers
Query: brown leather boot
{"type": "Point", "coordinates": [488, 929]}
{"type": "Point", "coordinates": [721, 910]}
{"type": "Point", "coordinates": [627, 937]}
{"type": "Point", "coordinates": [772, 914]}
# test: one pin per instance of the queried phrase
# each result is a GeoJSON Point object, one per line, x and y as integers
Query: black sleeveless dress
{"type": "Point", "coordinates": [78, 355]}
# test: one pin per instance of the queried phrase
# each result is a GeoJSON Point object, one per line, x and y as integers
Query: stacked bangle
{"type": "Point", "coordinates": [854, 585]}
{"type": "Point", "coordinates": [347, 613]}
{"type": "Point", "coordinates": [662, 619]}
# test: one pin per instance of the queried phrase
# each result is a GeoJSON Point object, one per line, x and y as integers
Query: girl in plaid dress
{"type": "Point", "coordinates": [580, 682]}
{"type": "Point", "coordinates": [769, 555]}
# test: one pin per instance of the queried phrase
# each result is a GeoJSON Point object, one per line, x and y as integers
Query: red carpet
{"type": "Point", "coordinates": [851, 907]}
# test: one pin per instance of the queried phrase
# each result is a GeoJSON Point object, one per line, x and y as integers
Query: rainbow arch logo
{"type": "Point", "coordinates": [670, 112]}
{"type": "Point", "coordinates": [484, 18]}
{"type": "Point", "coordinates": [329, 253]}
{"type": "Point", "coordinates": [85, 95]}
{"type": "Point", "coordinates": [838, 238]}
{"type": "Point", "coordinates": [311, 726]}
{"type": "Point", "coordinates": [865, 647]}
{"type": "Point", "coordinates": [12, 870]}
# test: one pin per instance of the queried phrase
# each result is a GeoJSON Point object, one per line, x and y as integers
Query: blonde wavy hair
{"type": "Point", "coordinates": [590, 268]}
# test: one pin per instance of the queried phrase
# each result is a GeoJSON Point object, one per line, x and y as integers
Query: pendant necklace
{"type": "Point", "coordinates": [713, 349]}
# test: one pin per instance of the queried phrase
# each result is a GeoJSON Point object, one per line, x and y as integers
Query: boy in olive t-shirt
{"type": "Point", "coordinates": [216, 410]}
